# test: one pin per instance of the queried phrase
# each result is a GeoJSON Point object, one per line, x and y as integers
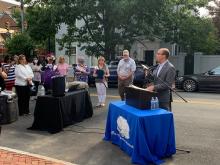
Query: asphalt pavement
{"type": "Point", "coordinates": [197, 126]}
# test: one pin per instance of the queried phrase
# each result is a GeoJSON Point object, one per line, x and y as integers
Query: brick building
{"type": "Point", "coordinates": [8, 25]}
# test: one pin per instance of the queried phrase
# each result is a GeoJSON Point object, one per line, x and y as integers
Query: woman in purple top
{"type": "Point", "coordinates": [82, 71]}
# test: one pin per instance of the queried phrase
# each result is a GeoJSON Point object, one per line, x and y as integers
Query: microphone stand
{"type": "Point", "coordinates": [173, 90]}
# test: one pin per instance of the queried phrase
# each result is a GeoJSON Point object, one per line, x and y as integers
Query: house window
{"type": "Point", "coordinates": [71, 51]}
{"type": "Point", "coordinates": [175, 49]}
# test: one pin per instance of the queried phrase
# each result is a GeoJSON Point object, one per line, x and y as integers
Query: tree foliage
{"type": "Point", "coordinates": [42, 24]}
{"type": "Point", "coordinates": [214, 11]}
{"type": "Point", "coordinates": [198, 35]}
{"type": "Point", "coordinates": [104, 24]}
{"type": "Point", "coordinates": [20, 44]}
{"type": "Point", "coordinates": [185, 27]}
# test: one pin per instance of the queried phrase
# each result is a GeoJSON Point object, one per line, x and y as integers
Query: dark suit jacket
{"type": "Point", "coordinates": [167, 75]}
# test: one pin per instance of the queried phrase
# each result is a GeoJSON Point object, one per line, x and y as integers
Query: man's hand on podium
{"type": "Point", "coordinates": [150, 88]}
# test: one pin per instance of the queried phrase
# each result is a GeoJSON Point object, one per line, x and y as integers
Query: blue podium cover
{"type": "Point", "coordinates": [145, 135]}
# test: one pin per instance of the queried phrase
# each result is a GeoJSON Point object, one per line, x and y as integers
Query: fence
{"type": "Point", "coordinates": [202, 63]}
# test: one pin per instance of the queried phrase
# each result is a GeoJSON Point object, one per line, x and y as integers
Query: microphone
{"type": "Point", "coordinates": [145, 67]}
{"type": "Point", "coordinates": [149, 68]}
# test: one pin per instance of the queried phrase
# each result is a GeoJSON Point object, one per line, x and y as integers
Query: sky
{"type": "Point", "coordinates": [203, 12]}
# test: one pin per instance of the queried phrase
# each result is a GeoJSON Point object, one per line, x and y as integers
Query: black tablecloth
{"type": "Point", "coordinates": [54, 113]}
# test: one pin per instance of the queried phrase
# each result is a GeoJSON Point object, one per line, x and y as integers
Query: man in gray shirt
{"type": "Point", "coordinates": [125, 70]}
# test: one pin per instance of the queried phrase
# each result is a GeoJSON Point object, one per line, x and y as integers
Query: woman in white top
{"type": "Point", "coordinates": [23, 80]}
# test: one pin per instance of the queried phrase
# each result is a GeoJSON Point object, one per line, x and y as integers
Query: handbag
{"type": "Point", "coordinates": [33, 90]}
{"type": "Point", "coordinates": [105, 83]}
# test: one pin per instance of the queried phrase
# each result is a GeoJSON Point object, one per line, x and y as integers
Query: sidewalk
{"type": "Point", "coordinates": [14, 157]}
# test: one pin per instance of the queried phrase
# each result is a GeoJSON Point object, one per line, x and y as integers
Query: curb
{"type": "Point", "coordinates": [37, 156]}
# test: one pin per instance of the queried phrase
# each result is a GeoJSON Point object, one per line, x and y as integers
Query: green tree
{"type": "Point", "coordinates": [121, 22]}
{"type": "Point", "coordinates": [106, 24]}
{"type": "Point", "coordinates": [198, 35]}
{"type": "Point", "coordinates": [20, 44]}
{"type": "Point", "coordinates": [42, 23]}
{"type": "Point", "coordinates": [186, 28]}
{"type": "Point", "coordinates": [214, 11]}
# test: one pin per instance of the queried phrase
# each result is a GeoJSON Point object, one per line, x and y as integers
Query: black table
{"type": "Point", "coordinates": [52, 114]}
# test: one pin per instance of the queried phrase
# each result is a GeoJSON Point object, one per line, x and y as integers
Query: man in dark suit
{"type": "Point", "coordinates": [164, 77]}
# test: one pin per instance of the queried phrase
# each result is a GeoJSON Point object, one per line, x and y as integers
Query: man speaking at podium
{"type": "Point", "coordinates": [164, 78]}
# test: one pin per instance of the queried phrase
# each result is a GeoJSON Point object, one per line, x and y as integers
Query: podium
{"type": "Point", "coordinates": [58, 86]}
{"type": "Point", "coordinates": [138, 97]}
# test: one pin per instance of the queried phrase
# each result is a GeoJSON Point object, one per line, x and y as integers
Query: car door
{"type": "Point", "coordinates": [210, 80]}
{"type": "Point", "coordinates": [113, 78]}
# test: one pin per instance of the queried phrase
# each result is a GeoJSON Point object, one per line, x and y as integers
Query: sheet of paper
{"type": "Point", "coordinates": [143, 89]}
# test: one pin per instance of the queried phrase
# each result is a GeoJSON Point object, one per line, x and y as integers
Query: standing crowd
{"type": "Point", "coordinates": [17, 72]}
{"type": "Point", "coordinates": [26, 76]}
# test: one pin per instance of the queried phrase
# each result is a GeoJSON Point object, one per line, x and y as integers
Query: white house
{"type": "Point", "coordinates": [143, 50]}
{"type": "Point", "coordinates": [75, 49]}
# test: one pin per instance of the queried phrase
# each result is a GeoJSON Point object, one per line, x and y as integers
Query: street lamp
{"type": "Point", "coordinates": [7, 27]}
{"type": "Point", "coordinates": [25, 25]}
{"type": "Point", "coordinates": [22, 16]}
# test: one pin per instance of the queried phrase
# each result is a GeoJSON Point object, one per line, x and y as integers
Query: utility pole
{"type": "Point", "coordinates": [22, 16]}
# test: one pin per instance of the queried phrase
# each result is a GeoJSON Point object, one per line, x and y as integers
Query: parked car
{"type": "Point", "coordinates": [209, 80]}
{"type": "Point", "coordinates": [139, 75]}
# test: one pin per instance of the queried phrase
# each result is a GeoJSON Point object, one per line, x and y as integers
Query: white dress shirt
{"type": "Point", "coordinates": [125, 67]}
{"type": "Point", "coordinates": [22, 72]}
{"type": "Point", "coordinates": [160, 67]}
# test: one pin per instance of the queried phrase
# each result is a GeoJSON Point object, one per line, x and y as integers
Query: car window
{"type": "Point", "coordinates": [114, 63]}
{"type": "Point", "coordinates": [215, 71]}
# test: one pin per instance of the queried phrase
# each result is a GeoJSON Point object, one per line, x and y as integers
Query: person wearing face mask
{"type": "Point", "coordinates": [36, 67]}
{"type": "Point", "coordinates": [125, 70]}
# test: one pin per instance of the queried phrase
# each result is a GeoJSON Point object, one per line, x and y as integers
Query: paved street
{"type": "Point", "coordinates": [197, 126]}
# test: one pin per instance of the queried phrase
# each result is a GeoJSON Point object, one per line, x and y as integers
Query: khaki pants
{"type": "Point", "coordinates": [121, 87]}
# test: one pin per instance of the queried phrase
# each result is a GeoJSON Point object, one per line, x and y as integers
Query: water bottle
{"type": "Point", "coordinates": [156, 103]}
{"type": "Point", "coordinates": [152, 103]}
{"type": "Point", "coordinates": [41, 90]}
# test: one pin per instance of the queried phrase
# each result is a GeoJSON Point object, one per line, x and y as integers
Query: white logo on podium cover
{"type": "Point", "coordinates": [123, 127]}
